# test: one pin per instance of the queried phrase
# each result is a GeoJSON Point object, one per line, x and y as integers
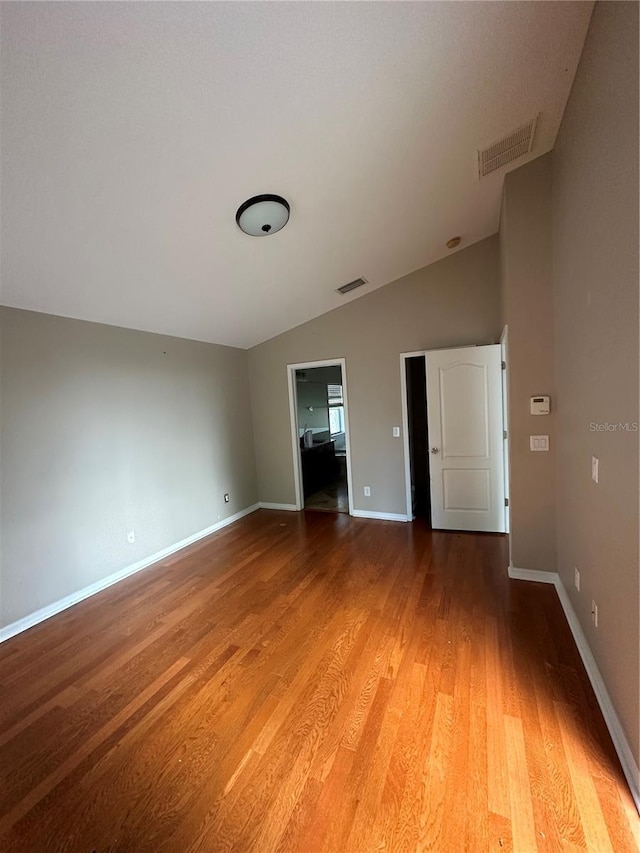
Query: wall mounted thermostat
{"type": "Point", "coordinates": [540, 406]}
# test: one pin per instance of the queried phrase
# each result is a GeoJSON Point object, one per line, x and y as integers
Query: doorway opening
{"type": "Point", "coordinates": [455, 447]}
{"type": "Point", "coordinates": [320, 433]}
{"type": "Point", "coordinates": [418, 437]}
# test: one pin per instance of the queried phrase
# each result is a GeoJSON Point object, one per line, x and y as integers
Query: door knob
{"type": "Point", "coordinates": [434, 449]}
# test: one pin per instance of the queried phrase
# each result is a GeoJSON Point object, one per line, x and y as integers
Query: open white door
{"type": "Point", "coordinates": [464, 410]}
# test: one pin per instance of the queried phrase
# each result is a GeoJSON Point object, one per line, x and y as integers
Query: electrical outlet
{"type": "Point", "coordinates": [594, 469]}
{"type": "Point", "coordinates": [396, 432]}
{"type": "Point", "coordinates": [226, 497]}
{"type": "Point", "coordinates": [594, 613]}
{"type": "Point", "coordinates": [576, 578]}
{"type": "Point", "coordinates": [367, 491]}
{"type": "Point", "coordinates": [131, 537]}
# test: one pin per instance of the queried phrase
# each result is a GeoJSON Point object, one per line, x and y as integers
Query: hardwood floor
{"type": "Point", "coordinates": [309, 682]}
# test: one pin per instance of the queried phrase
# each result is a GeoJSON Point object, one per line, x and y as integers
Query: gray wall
{"type": "Point", "coordinates": [106, 430]}
{"type": "Point", "coordinates": [525, 243]}
{"type": "Point", "coordinates": [453, 302]}
{"type": "Point", "coordinates": [595, 260]}
{"type": "Point", "coordinates": [312, 391]}
{"type": "Point", "coordinates": [312, 395]}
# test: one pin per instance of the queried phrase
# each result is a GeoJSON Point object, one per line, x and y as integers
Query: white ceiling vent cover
{"type": "Point", "coordinates": [506, 150]}
{"type": "Point", "coordinates": [358, 282]}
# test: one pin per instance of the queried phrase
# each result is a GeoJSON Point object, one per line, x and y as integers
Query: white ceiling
{"type": "Point", "coordinates": [131, 132]}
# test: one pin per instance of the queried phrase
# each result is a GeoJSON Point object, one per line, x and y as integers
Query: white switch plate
{"type": "Point", "coordinates": [538, 442]}
{"type": "Point", "coordinates": [594, 469]}
{"type": "Point", "coordinates": [576, 578]}
{"type": "Point", "coordinates": [367, 491]}
{"type": "Point", "coordinates": [396, 432]}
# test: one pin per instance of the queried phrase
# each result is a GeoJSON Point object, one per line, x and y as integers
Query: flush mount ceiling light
{"type": "Point", "coordinates": [263, 215]}
{"type": "Point", "coordinates": [453, 242]}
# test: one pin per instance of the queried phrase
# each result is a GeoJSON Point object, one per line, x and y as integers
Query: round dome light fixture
{"type": "Point", "coordinates": [263, 215]}
{"type": "Point", "coordinates": [453, 243]}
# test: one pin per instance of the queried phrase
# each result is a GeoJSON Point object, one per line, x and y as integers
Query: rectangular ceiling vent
{"type": "Point", "coordinates": [358, 282]}
{"type": "Point", "coordinates": [506, 150]}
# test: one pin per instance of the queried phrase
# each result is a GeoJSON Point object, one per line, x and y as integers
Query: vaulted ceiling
{"type": "Point", "coordinates": [131, 133]}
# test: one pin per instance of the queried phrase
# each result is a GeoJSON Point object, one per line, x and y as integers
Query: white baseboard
{"type": "Point", "coordinates": [285, 507]}
{"type": "Point", "coordinates": [381, 516]}
{"type": "Point", "coordinates": [620, 742]}
{"type": "Point", "coordinates": [58, 606]}
{"type": "Point", "coordinates": [533, 575]}
{"type": "Point", "coordinates": [627, 760]}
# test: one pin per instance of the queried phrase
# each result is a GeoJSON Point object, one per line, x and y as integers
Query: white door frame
{"type": "Point", "coordinates": [295, 431]}
{"type": "Point", "coordinates": [504, 354]}
{"type": "Point", "coordinates": [405, 418]}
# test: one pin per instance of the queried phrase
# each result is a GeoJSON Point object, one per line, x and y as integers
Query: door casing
{"type": "Point", "coordinates": [405, 423]}
{"type": "Point", "coordinates": [293, 419]}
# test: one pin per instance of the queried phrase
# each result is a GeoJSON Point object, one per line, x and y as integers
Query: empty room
{"type": "Point", "coordinates": [319, 406]}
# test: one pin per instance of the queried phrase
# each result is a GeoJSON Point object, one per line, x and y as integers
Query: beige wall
{"type": "Point", "coordinates": [106, 430]}
{"type": "Point", "coordinates": [595, 260]}
{"type": "Point", "coordinates": [453, 302]}
{"type": "Point", "coordinates": [525, 243]}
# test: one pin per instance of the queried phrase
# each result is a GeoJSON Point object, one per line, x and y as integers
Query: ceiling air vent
{"type": "Point", "coordinates": [358, 282]}
{"type": "Point", "coordinates": [506, 150]}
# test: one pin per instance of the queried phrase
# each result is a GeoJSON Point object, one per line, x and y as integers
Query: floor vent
{"type": "Point", "coordinates": [506, 150]}
{"type": "Point", "coordinates": [358, 282]}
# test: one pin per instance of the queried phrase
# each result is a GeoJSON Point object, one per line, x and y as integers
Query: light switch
{"type": "Point", "coordinates": [396, 432]}
{"type": "Point", "coordinates": [538, 442]}
{"type": "Point", "coordinates": [594, 469]}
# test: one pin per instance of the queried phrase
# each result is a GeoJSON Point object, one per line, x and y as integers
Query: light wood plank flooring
{"type": "Point", "coordinates": [309, 682]}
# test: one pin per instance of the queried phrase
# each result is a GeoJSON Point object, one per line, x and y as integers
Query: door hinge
{"type": "Point", "coordinates": [506, 501]}
{"type": "Point", "coordinates": [504, 433]}
{"type": "Point", "coordinates": [504, 365]}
